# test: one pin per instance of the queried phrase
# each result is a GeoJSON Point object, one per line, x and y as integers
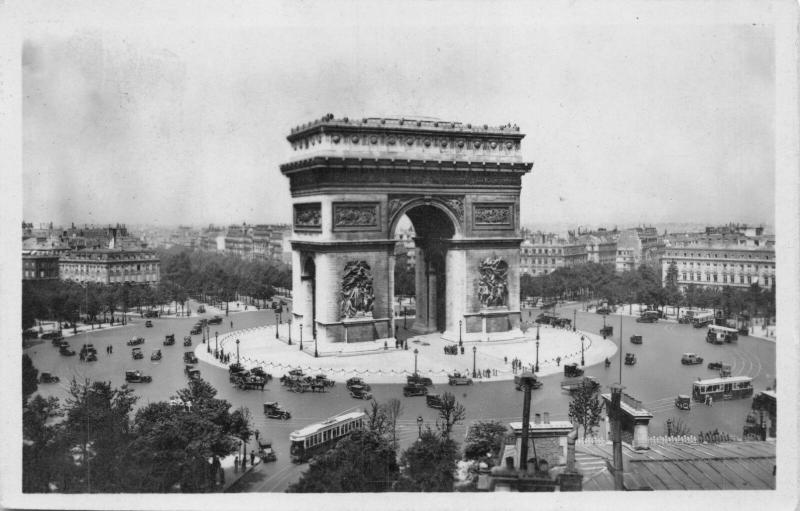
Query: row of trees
{"type": "Point", "coordinates": [212, 276]}
{"type": "Point", "coordinates": [99, 446]}
{"type": "Point", "coordinates": [592, 281]}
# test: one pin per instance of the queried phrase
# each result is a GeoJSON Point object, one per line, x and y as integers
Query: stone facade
{"type": "Point", "coordinates": [353, 181]}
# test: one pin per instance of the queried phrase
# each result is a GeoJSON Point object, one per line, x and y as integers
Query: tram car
{"type": "Point", "coordinates": [319, 437]}
{"type": "Point", "coordinates": [734, 387]}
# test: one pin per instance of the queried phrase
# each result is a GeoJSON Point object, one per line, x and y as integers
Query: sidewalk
{"type": "Point", "coordinates": [370, 360]}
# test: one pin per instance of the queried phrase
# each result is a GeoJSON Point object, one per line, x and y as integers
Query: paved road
{"type": "Point", "coordinates": [656, 379]}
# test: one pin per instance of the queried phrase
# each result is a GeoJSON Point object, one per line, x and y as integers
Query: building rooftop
{"type": "Point", "coordinates": [682, 466]}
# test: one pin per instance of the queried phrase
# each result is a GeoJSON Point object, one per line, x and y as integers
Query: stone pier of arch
{"type": "Point", "coordinates": [376, 364]}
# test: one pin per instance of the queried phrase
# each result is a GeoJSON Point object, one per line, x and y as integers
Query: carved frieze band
{"type": "Point", "coordinates": [493, 215]}
{"type": "Point", "coordinates": [356, 216]}
{"type": "Point", "coordinates": [308, 216]}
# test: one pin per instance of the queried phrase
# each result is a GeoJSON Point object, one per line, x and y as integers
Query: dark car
{"type": "Point", "coordinates": [196, 330]}
{"type": "Point", "coordinates": [274, 411]}
{"type": "Point", "coordinates": [187, 341]}
{"type": "Point", "coordinates": [537, 383]}
{"type": "Point", "coordinates": [169, 340]}
{"type": "Point", "coordinates": [630, 359]}
{"type": "Point", "coordinates": [151, 314]}
{"type": "Point", "coordinates": [189, 357]}
{"type": "Point", "coordinates": [136, 353]}
{"type": "Point", "coordinates": [216, 320]}
{"type": "Point", "coordinates": [636, 339]}
{"type": "Point", "coordinates": [715, 365]}
{"type": "Point", "coordinates": [691, 359]}
{"type": "Point", "coordinates": [572, 370]}
{"type": "Point", "coordinates": [354, 382]}
{"type": "Point", "coordinates": [607, 331]}
{"type": "Point", "coordinates": [148, 324]}
{"type": "Point", "coordinates": [64, 350]}
{"type": "Point", "coordinates": [359, 392]}
{"type": "Point", "coordinates": [137, 377]}
{"type": "Point", "coordinates": [136, 341]}
{"type": "Point", "coordinates": [433, 400]}
{"type": "Point", "coordinates": [416, 378]}
{"type": "Point", "coordinates": [415, 389]}
{"type": "Point", "coordinates": [603, 310]}
{"type": "Point", "coordinates": [48, 378]}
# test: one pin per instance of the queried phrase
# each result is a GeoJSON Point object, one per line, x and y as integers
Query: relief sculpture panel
{"type": "Point", "coordinates": [308, 216]}
{"type": "Point", "coordinates": [493, 215]}
{"type": "Point", "coordinates": [356, 216]}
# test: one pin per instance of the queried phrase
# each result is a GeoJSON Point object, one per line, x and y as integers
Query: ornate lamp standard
{"type": "Point", "coordinates": [277, 323]}
{"type": "Point", "coordinates": [536, 367]}
{"type": "Point", "coordinates": [474, 352]}
{"type": "Point", "coordinates": [459, 333]}
{"type": "Point", "coordinates": [301, 337]}
{"type": "Point", "coordinates": [315, 345]}
{"type": "Point", "coordinates": [216, 344]}
{"type": "Point", "coordinates": [416, 352]}
{"type": "Point", "coordinates": [290, 330]}
{"type": "Point", "coordinates": [582, 361]}
{"type": "Point", "coordinates": [419, 427]}
{"type": "Point", "coordinates": [574, 319]}
{"type": "Point", "coordinates": [237, 351]}
{"type": "Point", "coordinates": [537, 330]}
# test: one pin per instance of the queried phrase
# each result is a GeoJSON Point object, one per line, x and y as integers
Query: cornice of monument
{"type": "Point", "coordinates": [403, 163]}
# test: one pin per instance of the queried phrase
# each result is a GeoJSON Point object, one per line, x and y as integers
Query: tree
{"type": "Point", "coordinates": [393, 409]}
{"type": "Point", "coordinates": [484, 437]}
{"type": "Point", "coordinates": [586, 408]}
{"type": "Point", "coordinates": [362, 462]}
{"type": "Point", "coordinates": [451, 413]}
{"type": "Point", "coordinates": [30, 375]}
{"type": "Point", "coordinates": [428, 464]}
{"type": "Point", "coordinates": [674, 426]}
{"type": "Point", "coordinates": [45, 454]}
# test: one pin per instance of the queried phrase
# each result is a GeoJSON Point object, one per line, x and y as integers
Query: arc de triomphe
{"type": "Point", "coordinates": [353, 180]}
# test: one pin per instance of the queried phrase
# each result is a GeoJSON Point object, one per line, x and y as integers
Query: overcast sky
{"type": "Point", "coordinates": [650, 113]}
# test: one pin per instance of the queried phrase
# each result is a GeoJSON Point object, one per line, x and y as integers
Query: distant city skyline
{"type": "Point", "coordinates": [628, 119]}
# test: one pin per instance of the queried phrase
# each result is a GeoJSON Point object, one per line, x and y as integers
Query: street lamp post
{"type": "Point", "coordinates": [416, 352]}
{"type": "Point", "coordinates": [574, 319]}
{"type": "Point", "coordinates": [301, 337]}
{"type": "Point", "coordinates": [474, 352]}
{"type": "Point", "coordinates": [582, 361]}
{"type": "Point", "coordinates": [459, 333]}
{"type": "Point", "coordinates": [237, 351]}
{"type": "Point", "coordinates": [419, 427]}
{"type": "Point", "coordinates": [537, 330]}
{"type": "Point", "coordinates": [290, 330]}
{"type": "Point", "coordinates": [216, 344]}
{"type": "Point", "coordinates": [277, 323]}
{"type": "Point", "coordinates": [536, 367]}
{"type": "Point", "coordinates": [315, 345]}
{"type": "Point", "coordinates": [405, 316]}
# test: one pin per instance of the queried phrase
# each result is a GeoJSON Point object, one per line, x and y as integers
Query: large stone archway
{"type": "Point", "coordinates": [352, 181]}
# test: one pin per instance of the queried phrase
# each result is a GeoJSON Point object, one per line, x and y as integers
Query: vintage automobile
{"type": "Point", "coordinates": [355, 382]}
{"type": "Point", "coordinates": [607, 331]}
{"type": "Point", "coordinates": [48, 378]}
{"type": "Point", "coordinates": [359, 392]}
{"type": "Point", "coordinates": [235, 367]}
{"type": "Point", "coordinates": [64, 350]}
{"type": "Point", "coordinates": [151, 314]}
{"type": "Point", "coordinates": [169, 340]}
{"type": "Point", "coordinates": [691, 359]}
{"type": "Point", "coordinates": [636, 339]}
{"type": "Point", "coordinates": [265, 451]}
{"type": "Point", "coordinates": [187, 341]}
{"type": "Point", "coordinates": [630, 359]}
{"type": "Point", "coordinates": [648, 317]}
{"type": "Point", "coordinates": [136, 353]}
{"type": "Point", "coordinates": [415, 389]}
{"type": "Point", "coordinates": [156, 355]}
{"type": "Point", "coordinates": [433, 400]}
{"type": "Point", "coordinates": [189, 357]}
{"type": "Point", "coordinates": [683, 402]}
{"type": "Point", "coordinates": [148, 324]}
{"type": "Point", "coordinates": [417, 379]}
{"type": "Point", "coordinates": [274, 411]}
{"type": "Point", "coordinates": [603, 310]}
{"type": "Point", "coordinates": [715, 366]}
{"type": "Point", "coordinates": [56, 339]}
{"type": "Point", "coordinates": [88, 348]}
{"type": "Point", "coordinates": [201, 309]}
{"type": "Point", "coordinates": [51, 335]}
{"type": "Point", "coordinates": [575, 384]}
{"type": "Point", "coordinates": [322, 379]}
{"type": "Point", "coordinates": [191, 371]}
{"type": "Point", "coordinates": [572, 370]}
{"type": "Point", "coordinates": [135, 341]}
{"type": "Point", "coordinates": [90, 356]}
{"type": "Point", "coordinates": [137, 377]}
{"type": "Point", "coordinates": [196, 329]}
{"type": "Point", "coordinates": [725, 370]}
{"type": "Point", "coordinates": [537, 383]}
{"type": "Point", "coordinates": [458, 379]}
{"type": "Point", "coordinates": [216, 320]}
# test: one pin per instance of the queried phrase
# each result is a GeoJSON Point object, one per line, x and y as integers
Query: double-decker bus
{"type": "Point", "coordinates": [322, 436]}
{"type": "Point", "coordinates": [734, 387]}
{"type": "Point", "coordinates": [718, 334]}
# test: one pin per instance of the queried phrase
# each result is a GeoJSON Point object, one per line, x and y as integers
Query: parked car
{"type": "Point", "coordinates": [148, 324]}
{"type": "Point", "coordinates": [415, 389]}
{"type": "Point", "coordinates": [216, 320]}
{"type": "Point", "coordinates": [169, 340]}
{"type": "Point", "coordinates": [458, 379]}
{"type": "Point", "coordinates": [352, 382]}
{"type": "Point", "coordinates": [48, 378]}
{"type": "Point", "coordinates": [156, 355]}
{"type": "Point", "coordinates": [137, 377]}
{"type": "Point", "coordinates": [630, 359]}
{"type": "Point", "coordinates": [359, 392]}
{"type": "Point", "coordinates": [274, 411]}
{"type": "Point", "coordinates": [136, 353]}
{"type": "Point", "coordinates": [416, 378]}
{"type": "Point", "coordinates": [189, 357]}
{"type": "Point", "coordinates": [135, 341]}
{"type": "Point", "coordinates": [691, 359]}
{"type": "Point", "coordinates": [683, 402]}
{"type": "Point", "coordinates": [64, 350]}
{"type": "Point", "coordinates": [715, 366]}
{"type": "Point", "coordinates": [433, 400]}
{"type": "Point", "coordinates": [636, 339]}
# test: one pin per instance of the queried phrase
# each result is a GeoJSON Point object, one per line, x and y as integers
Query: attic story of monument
{"type": "Point", "coordinates": [352, 181]}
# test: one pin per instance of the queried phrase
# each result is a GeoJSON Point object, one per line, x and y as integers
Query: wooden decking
{"type": "Point", "coordinates": [723, 466]}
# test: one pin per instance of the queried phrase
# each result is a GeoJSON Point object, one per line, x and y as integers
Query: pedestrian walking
{"type": "Point", "coordinates": [252, 457]}
{"type": "Point", "coordinates": [710, 401]}
{"type": "Point", "coordinates": [558, 361]}
{"type": "Point", "coordinates": [705, 402]}
{"type": "Point", "coordinates": [236, 463]}
{"type": "Point", "coordinates": [505, 360]}
{"type": "Point", "coordinates": [231, 324]}
{"type": "Point", "coordinates": [257, 432]}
